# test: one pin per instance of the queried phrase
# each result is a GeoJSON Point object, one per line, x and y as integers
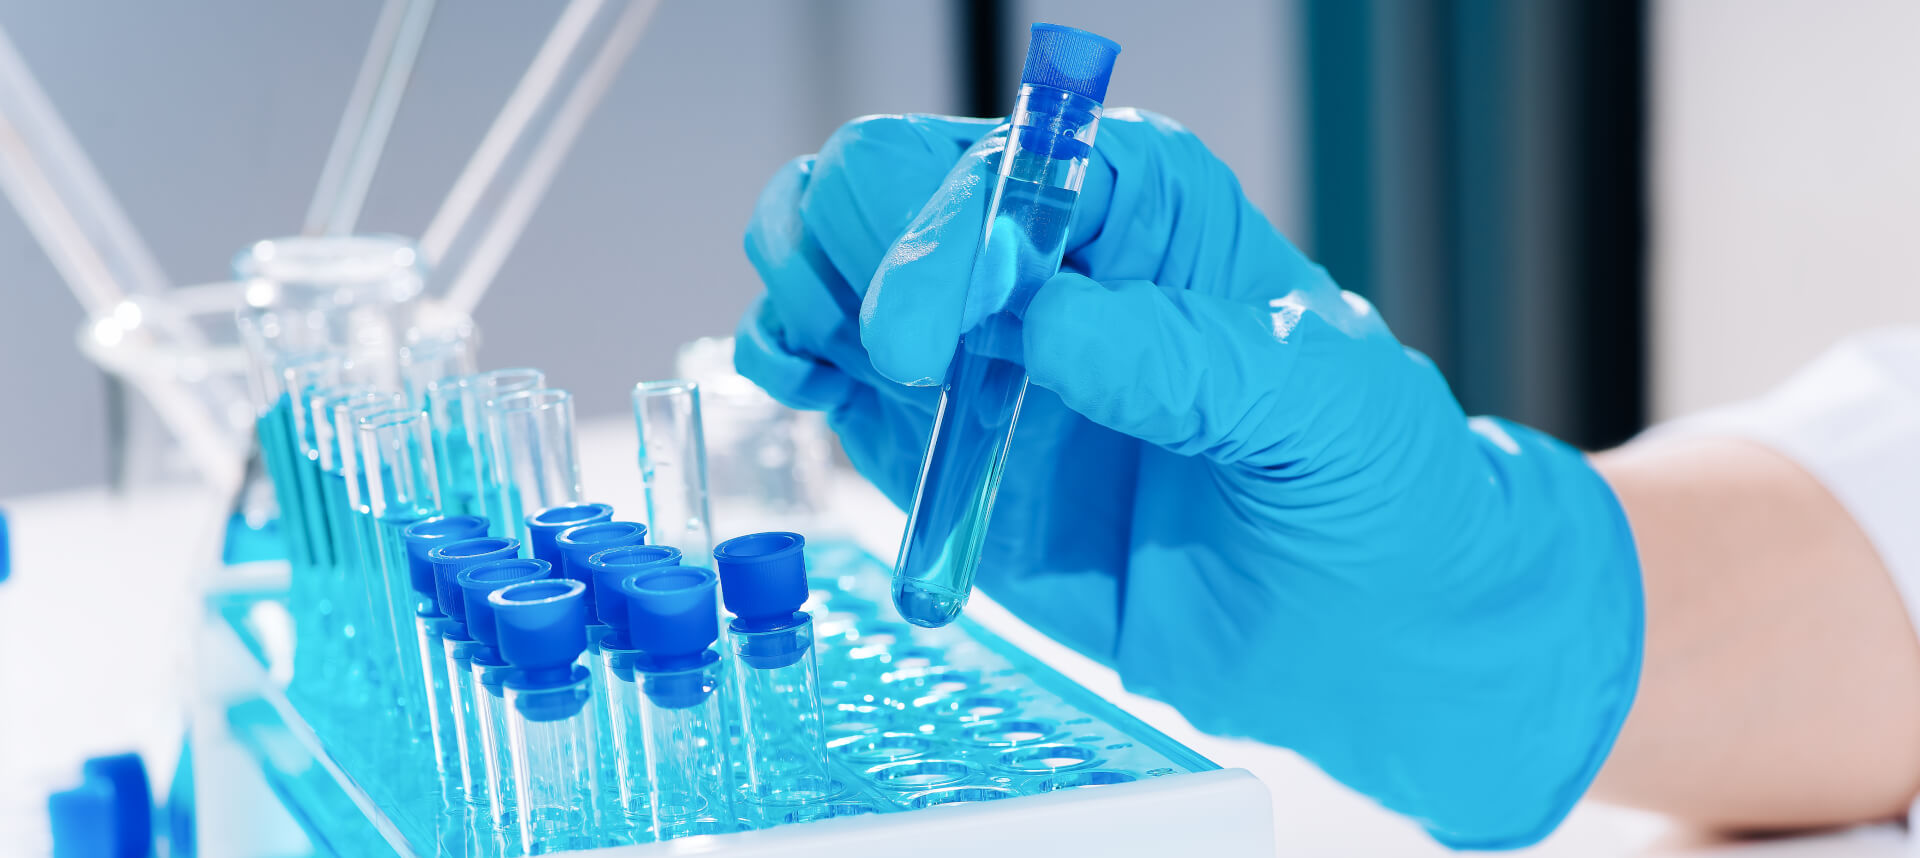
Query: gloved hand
{"type": "Point", "coordinates": [1229, 480]}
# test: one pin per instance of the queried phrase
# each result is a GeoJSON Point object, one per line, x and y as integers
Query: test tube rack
{"type": "Point", "coordinates": [945, 741]}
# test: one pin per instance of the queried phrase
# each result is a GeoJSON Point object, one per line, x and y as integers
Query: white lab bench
{"type": "Point", "coordinates": [96, 619]}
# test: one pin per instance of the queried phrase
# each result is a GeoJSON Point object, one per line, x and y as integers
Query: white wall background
{"type": "Point", "coordinates": [210, 120]}
{"type": "Point", "coordinates": [1786, 195]}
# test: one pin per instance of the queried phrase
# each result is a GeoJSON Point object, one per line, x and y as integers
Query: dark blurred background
{"type": "Point", "coordinates": [1486, 171]}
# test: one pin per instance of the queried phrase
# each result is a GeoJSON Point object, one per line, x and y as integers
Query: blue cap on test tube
{"type": "Point", "coordinates": [546, 524]}
{"type": "Point", "coordinates": [614, 565]}
{"type": "Point", "coordinates": [673, 618]}
{"type": "Point", "coordinates": [1070, 59]}
{"type": "Point", "coordinates": [763, 577]}
{"type": "Point", "coordinates": [542, 627]}
{"type": "Point", "coordinates": [578, 543]}
{"type": "Point", "coordinates": [424, 536]}
{"type": "Point", "coordinates": [479, 582]}
{"type": "Point", "coordinates": [452, 558]}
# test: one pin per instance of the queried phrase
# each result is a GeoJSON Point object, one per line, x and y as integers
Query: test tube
{"type": "Point", "coordinates": [482, 394]}
{"type": "Point", "coordinates": [535, 456]}
{"type": "Point", "coordinates": [673, 621]}
{"type": "Point", "coordinates": [607, 568]}
{"type": "Point", "coordinates": [574, 546]}
{"type": "Point", "coordinates": [432, 625]}
{"type": "Point", "coordinates": [1054, 119]}
{"type": "Point", "coordinates": [397, 456]}
{"type": "Point", "coordinates": [382, 640]}
{"type": "Point", "coordinates": [776, 678]}
{"type": "Point", "coordinates": [545, 526]}
{"type": "Point", "coordinates": [362, 666]}
{"type": "Point", "coordinates": [491, 672]}
{"type": "Point", "coordinates": [263, 334]}
{"type": "Point", "coordinates": [446, 560]}
{"type": "Point", "coordinates": [542, 627]}
{"type": "Point", "coordinates": [447, 407]}
{"type": "Point", "coordinates": [673, 464]}
{"type": "Point", "coordinates": [300, 374]}
{"type": "Point", "coordinates": [430, 357]}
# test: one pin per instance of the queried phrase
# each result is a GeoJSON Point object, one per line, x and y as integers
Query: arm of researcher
{"type": "Point", "coordinates": [1779, 547]}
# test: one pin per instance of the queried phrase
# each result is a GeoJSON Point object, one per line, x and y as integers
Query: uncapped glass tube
{"type": "Point", "coordinates": [397, 455]}
{"type": "Point", "coordinates": [482, 394]}
{"type": "Point", "coordinates": [1025, 234]}
{"type": "Point", "coordinates": [542, 627]}
{"type": "Point", "coordinates": [607, 568]}
{"type": "Point", "coordinates": [534, 452]}
{"type": "Point", "coordinates": [673, 465]}
{"type": "Point", "coordinates": [429, 358]}
{"type": "Point", "coordinates": [364, 666]}
{"type": "Point", "coordinates": [365, 580]}
{"type": "Point", "coordinates": [674, 619]}
{"type": "Point", "coordinates": [776, 677]}
{"type": "Point", "coordinates": [301, 375]}
{"type": "Point", "coordinates": [447, 406]}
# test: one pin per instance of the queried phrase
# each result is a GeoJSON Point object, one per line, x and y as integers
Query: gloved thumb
{"type": "Point", "coordinates": [1195, 373]}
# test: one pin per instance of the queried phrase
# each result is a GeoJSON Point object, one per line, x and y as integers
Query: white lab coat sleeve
{"type": "Point", "coordinates": [1851, 418]}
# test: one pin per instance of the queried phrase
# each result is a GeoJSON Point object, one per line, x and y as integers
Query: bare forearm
{"type": "Point", "coordinates": [1781, 682]}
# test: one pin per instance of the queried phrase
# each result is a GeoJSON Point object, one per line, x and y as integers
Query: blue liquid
{"type": "Point", "coordinates": [454, 461]}
{"type": "Point", "coordinates": [979, 404]}
{"type": "Point", "coordinates": [362, 667]}
{"type": "Point", "coordinates": [411, 682]}
{"type": "Point", "coordinates": [278, 451]}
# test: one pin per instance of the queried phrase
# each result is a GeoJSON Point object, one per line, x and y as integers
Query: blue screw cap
{"type": "Point", "coordinates": [542, 627]}
{"type": "Point", "coordinates": [763, 577]}
{"type": "Point", "coordinates": [6, 557]}
{"type": "Point", "coordinates": [672, 614]}
{"type": "Point", "coordinates": [612, 566]}
{"type": "Point", "coordinates": [84, 821]}
{"type": "Point", "coordinates": [450, 559]}
{"type": "Point", "coordinates": [546, 524]}
{"type": "Point", "coordinates": [424, 536]}
{"type": "Point", "coordinates": [580, 542]}
{"type": "Point", "coordinates": [478, 582]}
{"type": "Point", "coordinates": [1070, 59]}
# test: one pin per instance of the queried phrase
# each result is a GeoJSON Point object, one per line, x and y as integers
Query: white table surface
{"type": "Point", "coordinates": [94, 628]}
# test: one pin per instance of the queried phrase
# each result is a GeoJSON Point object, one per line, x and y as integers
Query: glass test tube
{"type": "Point", "coordinates": [376, 639]}
{"type": "Point", "coordinates": [300, 375]}
{"type": "Point", "coordinates": [607, 568]}
{"type": "Point", "coordinates": [574, 546]}
{"type": "Point", "coordinates": [1022, 242]}
{"type": "Point", "coordinates": [534, 454]}
{"type": "Point", "coordinates": [360, 667]}
{"type": "Point", "coordinates": [542, 627]}
{"type": "Point", "coordinates": [673, 621]}
{"type": "Point", "coordinates": [446, 407]}
{"type": "Point", "coordinates": [771, 661]}
{"type": "Point", "coordinates": [265, 337]}
{"type": "Point", "coordinates": [429, 358]}
{"type": "Point", "coordinates": [673, 464]}
{"type": "Point", "coordinates": [491, 672]}
{"type": "Point", "coordinates": [448, 560]}
{"type": "Point", "coordinates": [482, 395]}
{"type": "Point", "coordinates": [433, 625]}
{"type": "Point", "coordinates": [397, 455]}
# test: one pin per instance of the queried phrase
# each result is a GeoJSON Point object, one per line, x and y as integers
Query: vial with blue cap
{"type": "Point", "coordinates": [572, 547]}
{"type": "Point", "coordinates": [542, 626]}
{"type": "Point", "coordinates": [467, 659]}
{"type": "Point", "coordinates": [1048, 144]}
{"type": "Point", "coordinates": [432, 625]}
{"type": "Point", "coordinates": [545, 526]}
{"type": "Point", "coordinates": [673, 621]}
{"type": "Point", "coordinates": [776, 676]}
{"type": "Point", "coordinates": [605, 570]}
{"type": "Point", "coordinates": [490, 671]}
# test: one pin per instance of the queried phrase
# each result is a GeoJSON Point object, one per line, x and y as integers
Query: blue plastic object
{"type": "Point", "coordinates": [424, 536]}
{"type": "Point", "coordinates": [609, 567]}
{"type": "Point", "coordinates": [6, 551]}
{"type": "Point", "coordinates": [1070, 59]}
{"type": "Point", "coordinates": [132, 800]}
{"type": "Point", "coordinates": [1232, 482]}
{"type": "Point", "coordinates": [452, 558]}
{"type": "Point", "coordinates": [85, 821]}
{"type": "Point", "coordinates": [479, 581]}
{"type": "Point", "coordinates": [673, 617]}
{"type": "Point", "coordinates": [763, 578]}
{"type": "Point", "coordinates": [546, 524]}
{"type": "Point", "coordinates": [576, 544]}
{"type": "Point", "coordinates": [542, 628]}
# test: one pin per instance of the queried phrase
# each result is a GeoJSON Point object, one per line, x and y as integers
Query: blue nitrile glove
{"type": "Point", "coordinates": [1229, 480]}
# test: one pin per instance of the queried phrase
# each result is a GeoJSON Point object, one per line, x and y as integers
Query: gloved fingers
{"type": "Point", "coordinates": [870, 179]}
{"type": "Point", "coordinates": [911, 318]}
{"type": "Point", "coordinates": [794, 380]}
{"type": "Point", "coordinates": [1204, 375]}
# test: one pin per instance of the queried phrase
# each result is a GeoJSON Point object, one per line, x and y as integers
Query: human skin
{"type": "Point", "coordinates": [1780, 687]}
